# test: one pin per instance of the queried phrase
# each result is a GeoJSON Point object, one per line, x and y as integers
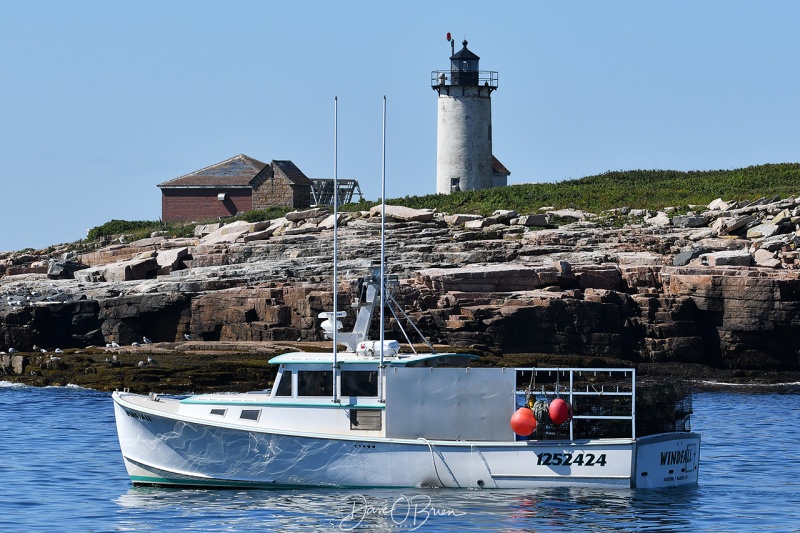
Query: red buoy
{"type": "Point", "coordinates": [560, 411]}
{"type": "Point", "coordinates": [523, 422]}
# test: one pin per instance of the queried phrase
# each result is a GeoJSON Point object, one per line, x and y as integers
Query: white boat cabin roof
{"type": "Point", "coordinates": [346, 358]}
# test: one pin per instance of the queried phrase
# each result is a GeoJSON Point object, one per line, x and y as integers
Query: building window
{"type": "Point", "coordinates": [455, 184]}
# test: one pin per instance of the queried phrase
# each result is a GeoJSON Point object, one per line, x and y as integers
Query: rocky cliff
{"type": "Point", "coordinates": [719, 286]}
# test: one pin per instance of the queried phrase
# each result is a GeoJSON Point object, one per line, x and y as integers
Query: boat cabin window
{"type": "Point", "coordinates": [218, 412]}
{"type": "Point", "coordinates": [284, 384]}
{"type": "Point", "coordinates": [359, 383]}
{"type": "Point", "coordinates": [250, 414]}
{"type": "Point", "coordinates": [315, 383]}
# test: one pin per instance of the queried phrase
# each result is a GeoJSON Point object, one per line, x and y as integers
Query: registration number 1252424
{"type": "Point", "coordinates": [571, 459]}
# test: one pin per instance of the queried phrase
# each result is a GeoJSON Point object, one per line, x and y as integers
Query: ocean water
{"type": "Point", "coordinates": [61, 470]}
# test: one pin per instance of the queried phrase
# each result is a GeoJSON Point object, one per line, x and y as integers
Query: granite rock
{"type": "Point", "coordinates": [644, 293]}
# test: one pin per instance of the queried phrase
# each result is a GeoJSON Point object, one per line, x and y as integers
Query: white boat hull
{"type": "Point", "coordinates": [160, 448]}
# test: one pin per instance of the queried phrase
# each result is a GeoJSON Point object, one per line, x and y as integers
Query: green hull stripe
{"type": "Point", "coordinates": [328, 405]}
{"type": "Point", "coordinates": [152, 480]}
{"type": "Point", "coordinates": [216, 483]}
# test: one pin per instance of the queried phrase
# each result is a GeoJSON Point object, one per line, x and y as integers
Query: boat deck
{"type": "Point", "coordinates": [153, 402]}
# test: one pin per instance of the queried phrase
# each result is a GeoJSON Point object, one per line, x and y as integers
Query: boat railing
{"type": "Point", "coordinates": [603, 398]}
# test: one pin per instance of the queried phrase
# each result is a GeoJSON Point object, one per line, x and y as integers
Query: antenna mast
{"type": "Point", "coordinates": [335, 318]}
{"type": "Point", "coordinates": [383, 245]}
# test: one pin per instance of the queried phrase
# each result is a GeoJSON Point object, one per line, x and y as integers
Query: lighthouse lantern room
{"type": "Point", "coordinates": [464, 159]}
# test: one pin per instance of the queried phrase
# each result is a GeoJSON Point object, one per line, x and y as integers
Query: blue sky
{"type": "Point", "coordinates": [103, 100]}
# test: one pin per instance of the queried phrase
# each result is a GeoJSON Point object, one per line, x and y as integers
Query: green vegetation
{"type": "Point", "coordinates": [638, 189]}
{"type": "Point", "coordinates": [116, 227]}
{"type": "Point", "coordinates": [140, 229]}
{"type": "Point", "coordinates": [260, 215]}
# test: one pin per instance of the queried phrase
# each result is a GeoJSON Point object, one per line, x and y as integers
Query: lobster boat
{"type": "Point", "coordinates": [382, 418]}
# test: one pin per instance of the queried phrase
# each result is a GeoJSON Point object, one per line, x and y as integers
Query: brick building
{"type": "Point", "coordinates": [235, 185]}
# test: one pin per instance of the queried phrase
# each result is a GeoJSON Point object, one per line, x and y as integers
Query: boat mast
{"type": "Point", "coordinates": [383, 248]}
{"type": "Point", "coordinates": [335, 318]}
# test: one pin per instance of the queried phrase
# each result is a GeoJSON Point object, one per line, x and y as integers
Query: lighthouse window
{"type": "Point", "coordinates": [360, 383]}
{"type": "Point", "coordinates": [314, 383]}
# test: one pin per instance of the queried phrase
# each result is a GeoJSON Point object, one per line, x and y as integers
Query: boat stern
{"type": "Point", "coordinates": [666, 460]}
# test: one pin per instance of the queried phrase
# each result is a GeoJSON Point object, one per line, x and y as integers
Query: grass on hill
{"type": "Point", "coordinates": [140, 229]}
{"type": "Point", "coordinates": [638, 189]}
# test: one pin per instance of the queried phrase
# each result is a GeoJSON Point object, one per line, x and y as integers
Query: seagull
{"type": "Point", "coordinates": [187, 337]}
{"type": "Point", "coordinates": [146, 340]}
{"type": "Point", "coordinates": [141, 364]}
{"type": "Point", "coordinates": [150, 360]}
{"type": "Point", "coordinates": [43, 350]}
{"type": "Point", "coordinates": [12, 350]}
{"type": "Point", "coordinates": [135, 344]}
{"type": "Point", "coordinates": [114, 344]}
{"type": "Point", "coordinates": [59, 350]}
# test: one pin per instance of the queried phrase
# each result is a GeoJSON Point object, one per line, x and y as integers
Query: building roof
{"type": "Point", "coordinates": [290, 170]}
{"type": "Point", "coordinates": [498, 167]}
{"type": "Point", "coordinates": [238, 171]}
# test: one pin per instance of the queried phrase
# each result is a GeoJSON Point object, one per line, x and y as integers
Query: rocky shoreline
{"type": "Point", "coordinates": [714, 293]}
{"type": "Point", "coordinates": [202, 367]}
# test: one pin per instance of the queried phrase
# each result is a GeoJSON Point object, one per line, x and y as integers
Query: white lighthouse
{"type": "Point", "coordinates": [464, 159]}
